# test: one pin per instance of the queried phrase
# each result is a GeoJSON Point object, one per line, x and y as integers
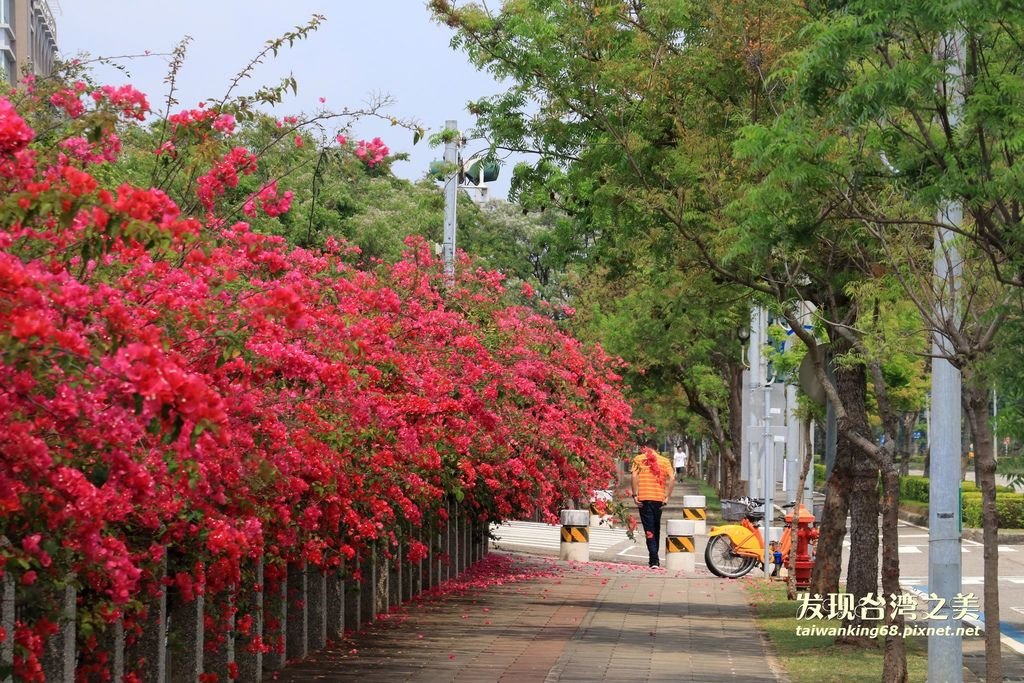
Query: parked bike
{"type": "Point", "coordinates": [734, 549]}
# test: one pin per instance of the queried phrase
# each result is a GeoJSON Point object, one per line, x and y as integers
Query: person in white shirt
{"type": "Point", "coordinates": [679, 456]}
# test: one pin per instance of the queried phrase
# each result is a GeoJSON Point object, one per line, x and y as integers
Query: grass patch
{"type": "Point", "coordinates": [817, 659]}
{"type": "Point", "coordinates": [914, 506]}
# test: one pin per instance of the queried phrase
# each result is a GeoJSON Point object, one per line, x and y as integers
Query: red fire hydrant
{"type": "Point", "coordinates": [805, 533]}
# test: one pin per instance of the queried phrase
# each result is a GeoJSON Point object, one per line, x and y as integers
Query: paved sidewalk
{"type": "Point", "coordinates": [519, 618]}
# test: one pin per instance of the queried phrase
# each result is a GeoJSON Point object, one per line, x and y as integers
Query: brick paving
{"type": "Point", "coordinates": [548, 620]}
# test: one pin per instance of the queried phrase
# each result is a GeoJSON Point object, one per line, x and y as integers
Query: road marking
{"type": "Point", "coordinates": [1007, 549]}
{"type": "Point", "coordinates": [909, 549]}
{"type": "Point", "coordinates": [1009, 635]}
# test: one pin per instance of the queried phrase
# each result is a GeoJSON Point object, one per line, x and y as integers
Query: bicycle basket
{"type": "Point", "coordinates": [733, 510]}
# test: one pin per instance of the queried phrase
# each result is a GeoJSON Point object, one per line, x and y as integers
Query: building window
{"type": "Point", "coordinates": [7, 12]}
{"type": "Point", "coordinates": [10, 68]}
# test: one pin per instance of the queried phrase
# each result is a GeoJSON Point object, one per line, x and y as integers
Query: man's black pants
{"type": "Point", "coordinates": [650, 517]}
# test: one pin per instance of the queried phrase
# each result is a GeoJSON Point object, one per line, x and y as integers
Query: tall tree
{"type": "Point", "coordinates": [638, 108]}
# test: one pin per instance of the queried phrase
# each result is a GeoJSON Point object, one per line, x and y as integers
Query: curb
{"type": "Point", "coordinates": [967, 534]}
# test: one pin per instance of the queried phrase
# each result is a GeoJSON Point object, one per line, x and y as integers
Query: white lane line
{"type": "Point", "coordinates": [1012, 643]}
{"type": "Point", "coordinates": [909, 549]}
{"type": "Point", "coordinates": [1007, 549]}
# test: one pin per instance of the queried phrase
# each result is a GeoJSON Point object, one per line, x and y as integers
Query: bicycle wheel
{"type": "Point", "coordinates": [722, 561]}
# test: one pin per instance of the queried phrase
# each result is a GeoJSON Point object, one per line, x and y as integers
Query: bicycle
{"type": "Point", "coordinates": [735, 549]}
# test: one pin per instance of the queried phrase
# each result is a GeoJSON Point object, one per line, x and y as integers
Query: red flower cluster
{"type": "Point", "coordinates": [230, 396]}
{"type": "Point", "coordinates": [372, 152]}
{"type": "Point", "coordinates": [267, 198]}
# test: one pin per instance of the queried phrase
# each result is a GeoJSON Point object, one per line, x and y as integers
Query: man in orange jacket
{"type": "Point", "coordinates": [652, 486]}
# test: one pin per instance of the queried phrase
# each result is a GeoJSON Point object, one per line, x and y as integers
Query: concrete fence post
{"type": "Point", "coordinates": [434, 562]}
{"type": "Point", "coordinates": [475, 536]}
{"type": "Point", "coordinates": [375, 601]}
{"type": "Point", "coordinates": [354, 598]}
{"type": "Point", "coordinates": [459, 523]}
{"type": "Point", "coordinates": [336, 603]}
{"type": "Point", "coordinates": [7, 607]}
{"type": "Point", "coordinates": [119, 651]}
{"type": "Point", "coordinates": [448, 545]}
{"type": "Point", "coordinates": [464, 538]}
{"type": "Point", "coordinates": [395, 578]}
{"type": "Point", "coordinates": [316, 608]}
{"type": "Point", "coordinates": [367, 587]}
{"type": "Point", "coordinates": [679, 545]}
{"type": "Point", "coordinates": [409, 574]}
{"type": "Point", "coordinates": [575, 545]}
{"type": "Point", "coordinates": [297, 636]}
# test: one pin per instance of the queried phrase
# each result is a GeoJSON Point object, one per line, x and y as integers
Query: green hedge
{"type": "Point", "coordinates": [916, 488]}
{"type": "Point", "coordinates": [819, 476]}
{"type": "Point", "coordinates": [1009, 509]}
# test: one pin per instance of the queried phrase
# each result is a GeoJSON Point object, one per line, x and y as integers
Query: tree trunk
{"type": "Point", "coordinates": [894, 667]}
{"type": "Point", "coordinates": [829, 552]}
{"type": "Point", "coordinates": [976, 403]}
{"type": "Point", "coordinates": [965, 441]}
{"type": "Point", "coordinates": [862, 571]}
{"type": "Point", "coordinates": [731, 484]}
{"type": "Point", "coordinates": [711, 470]}
{"type": "Point", "coordinates": [907, 449]}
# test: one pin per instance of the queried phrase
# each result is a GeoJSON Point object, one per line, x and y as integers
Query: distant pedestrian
{"type": "Point", "coordinates": [652, 486]}
{"type": "Point", "coordinates": [679, 457]}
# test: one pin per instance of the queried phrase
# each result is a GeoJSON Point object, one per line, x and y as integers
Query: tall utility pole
{"type": "Point", "coordinates": [451, 189]}
{"type": "Point", "coordinates": [945, 652]}
{"type": "Point", "coordinates": [750, 417]}
{"type": "Point", "coordinates": [768, 461]}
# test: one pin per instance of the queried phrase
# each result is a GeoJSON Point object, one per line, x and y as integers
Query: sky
{"type": "Point", "coordinates": [365, 48]}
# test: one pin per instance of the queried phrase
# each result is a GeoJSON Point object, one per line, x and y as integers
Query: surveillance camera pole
{"type": "Point", "coordinates": [451, 188]}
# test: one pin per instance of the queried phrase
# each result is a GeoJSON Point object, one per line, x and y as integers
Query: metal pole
{"type": "Point", "coordinates": [995, 424]}
{"type": "Point", "coordinates": [767, 464]}
{"type": "Point", "coordinates": [451, 188]}
{"type": "Point", "coordinates": [750, 416]}
{"type": "Point", "coordinates": [945, 652]}
{"type": "Point", "coordinates": [794, 443]}
{"type": "Point", "coordinates": [809, 484]}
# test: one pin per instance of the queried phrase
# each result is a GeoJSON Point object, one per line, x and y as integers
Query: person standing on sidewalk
{"type": "Point", "coordinates": [679, 458]}
{"type": "Point", "coordinates": [652, 486]}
